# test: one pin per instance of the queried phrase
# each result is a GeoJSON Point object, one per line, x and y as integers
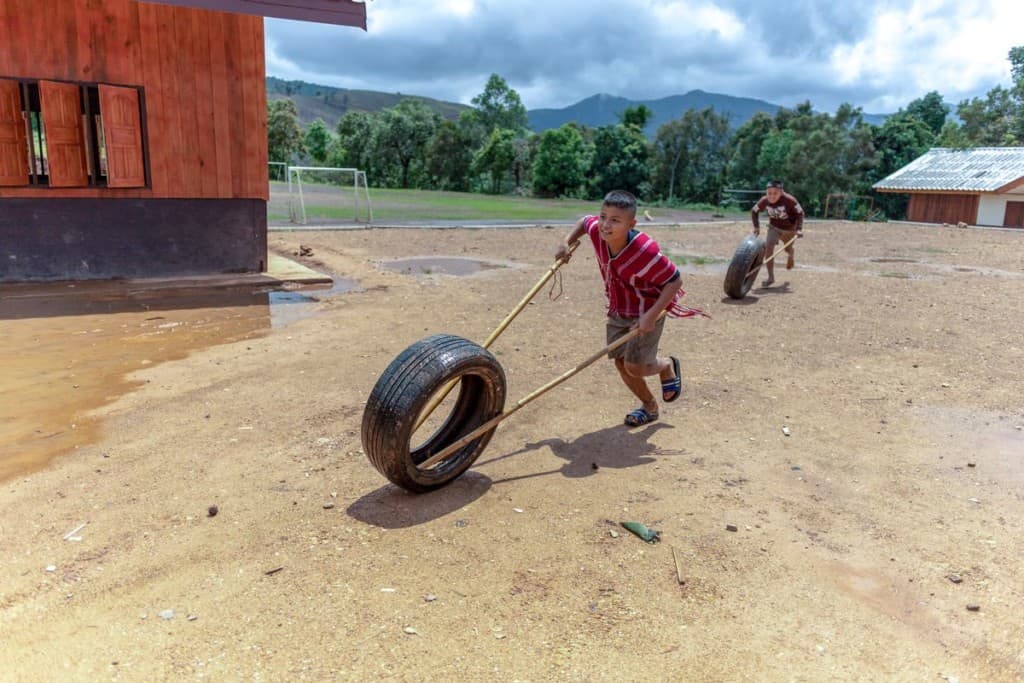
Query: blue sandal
{"type": "Point", "coordinates": [674, 385]}
{"type": "Point", "coordinates": [640, 416]}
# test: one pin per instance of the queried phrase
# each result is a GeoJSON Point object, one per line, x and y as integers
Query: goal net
{"type": "Point", "coordinates": [318, 195]}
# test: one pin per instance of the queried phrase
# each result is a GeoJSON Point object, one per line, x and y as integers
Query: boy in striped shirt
{"type": "Point", "coordinates": [640, 283]}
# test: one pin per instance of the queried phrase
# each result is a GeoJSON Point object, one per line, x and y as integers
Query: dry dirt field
{"type": "Point", "coordinates": [881, 539]}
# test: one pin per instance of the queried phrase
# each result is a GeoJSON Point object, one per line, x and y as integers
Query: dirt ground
{"type": "Point", "coordinates": [881, 539]}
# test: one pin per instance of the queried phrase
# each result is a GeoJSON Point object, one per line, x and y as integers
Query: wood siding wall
{"type": "Point", "coordinates": [202, 75]}
{"type": "Point", "coordinates": [943, 208]}
{"type": "Point", "coordinates": [1014, 217]}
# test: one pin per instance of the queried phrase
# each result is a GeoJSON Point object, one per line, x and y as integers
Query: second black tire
{"type": "Point", "coordinates": [403, 390]}
{"type": "Point", "coordinates": [743, 268]}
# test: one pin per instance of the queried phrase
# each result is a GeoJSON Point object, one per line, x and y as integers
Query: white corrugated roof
{"type": "Point", "coordinates": [982, 169]}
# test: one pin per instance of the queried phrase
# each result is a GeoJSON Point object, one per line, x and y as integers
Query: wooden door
{"type": "Point", "coordinates": [1014, 217]}
{"type": "Point", "coordinates": [65, 140]}
{"type": "Point", "coordinates": [122, 133]}
{"type": "Point", "coordinates": [13, 139]}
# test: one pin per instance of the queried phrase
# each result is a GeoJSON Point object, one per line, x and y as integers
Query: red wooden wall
{"type": "Point", "coordinates": [1014, 216]}
{"type": "Point", "coordinates": [202, 75]}
{"type": "Point", "coordinates": [943, 208]}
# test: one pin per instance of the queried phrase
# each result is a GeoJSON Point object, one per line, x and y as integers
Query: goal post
{"type": "Point", "coordinates": [277, 170]}
{"type": "Point", "coordinates": [321, 194]}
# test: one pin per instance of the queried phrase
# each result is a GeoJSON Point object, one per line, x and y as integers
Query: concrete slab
{"type": "Point", "coordinates": [281, 272]}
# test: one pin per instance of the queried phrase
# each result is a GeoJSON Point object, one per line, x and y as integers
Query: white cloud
{"type": "Point", "coordinates": [954, 47]}
{"type": "Point", "coordinates": [874, 54]}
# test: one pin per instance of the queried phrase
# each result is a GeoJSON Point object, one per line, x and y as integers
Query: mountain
{"type": "Point", "coordinates": [330, 104]}
{"type": "Point", "coordinates": [604, 110]}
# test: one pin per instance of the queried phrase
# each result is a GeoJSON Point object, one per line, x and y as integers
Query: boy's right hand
{"type": "Point", "coordinates": [564, 253]}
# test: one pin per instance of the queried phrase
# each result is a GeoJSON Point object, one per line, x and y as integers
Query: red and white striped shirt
{"type": "Point", "coordinates": [634, 278]}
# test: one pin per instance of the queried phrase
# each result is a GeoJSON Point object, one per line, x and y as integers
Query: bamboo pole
{"type": "Point", "coordinates": [443, 394]}
{"type": "Point", "coordinates": [494, 421]}
{"type": "Point", "coordinates": [777, 252]}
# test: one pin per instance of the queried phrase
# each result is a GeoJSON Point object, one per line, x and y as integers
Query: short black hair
{"type": "Point", "coordinates": [620, 199]}
{"type": "Point", "coordinates": [775, 183]}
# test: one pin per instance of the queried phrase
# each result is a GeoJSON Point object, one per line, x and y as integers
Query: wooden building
{"type": "Point", "coordinates": [133, 135]}
{"type": "Point", "coordinates": [980, 186]}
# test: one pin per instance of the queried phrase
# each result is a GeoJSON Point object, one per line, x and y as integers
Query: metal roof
{"type": "Point", "coordinates": [982, 169]}
{"type": "Point", "coordinates": [341, 12]}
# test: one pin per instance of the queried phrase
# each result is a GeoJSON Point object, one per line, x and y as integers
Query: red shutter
{"type": "Point", "coordinates": [65, 141]}
{"type": "Point", "coordinates": [13, 141]}
{"type": "Point", "coordinates": [122, 131]}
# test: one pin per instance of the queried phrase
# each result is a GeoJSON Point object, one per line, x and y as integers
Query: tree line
{"type": "Point", "coordinates": [694, 159]}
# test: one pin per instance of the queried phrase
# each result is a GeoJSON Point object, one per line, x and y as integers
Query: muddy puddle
{"type": "Point", "coordinates": [69, 350]}
{"type": "Point", "coordinates": [441, 265]}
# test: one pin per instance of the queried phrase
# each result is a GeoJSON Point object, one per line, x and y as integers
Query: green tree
{"type": "Point", "coordinates": [775, 150]}
{"type": "Point", "coordinates": [931, 110]}
{"type": "Point", "coordinates": [745, 149]}
{"type": "Point", "coordinates": [829, 154]}
{"type": "Point", "coordinates": [499, 106]}
{"type": "Point", "coordinates": [991, 121]}
{"type": "Point", "coordinates": [900, 140]}
{"type": "Point", "coordinates": [449, 155]}
{"type": "Point", "coordinates": [284, 134]}
{"type": "Point", "coordinates": [620, 160]}
{"type": "Point", "coordinates": [1017, 72]}
{"type": "Point", "coordinates": [996, 120]}
{"type": "Point", "coordinates": [402, 136]}
{"type": "Point", "coordinates": [637, 116]}
{"type": "Point", "coordinates": [818, 154]}
{"type": "Point", "coordinates": [689, 157]}
{"type": "Point", "coordinates": [355, 143]}
{"type": "Point", "coordinates": [522, 162]}
{"type": "Point", "coordinates": [559, 165]}
{"type": "Point", "coordinates": [496, 157]}
{"type": "Point", "coordinates": [318, 140]}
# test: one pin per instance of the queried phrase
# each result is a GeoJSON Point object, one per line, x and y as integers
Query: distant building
{"type": "Point", "coordinates": [133, 135]}
{"type": "Point", "coordinates": [980, 186]}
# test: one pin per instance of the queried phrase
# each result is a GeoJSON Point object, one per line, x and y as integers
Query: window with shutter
{"type": "Point", "coordinates": [59, 134]}
{"type": "Point", "coordinates": [13, 139]}
{"type": "Point", "coordinates": [63, 128]}
{"type": "Point", "coordinates": [122, 133]}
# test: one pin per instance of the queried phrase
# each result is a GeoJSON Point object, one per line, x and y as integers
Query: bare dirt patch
{"type": "Point", "coordinates": [901, 469]}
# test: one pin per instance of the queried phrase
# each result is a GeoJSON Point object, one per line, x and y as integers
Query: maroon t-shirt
{"type": "Point", "coordinates": [785, 214]}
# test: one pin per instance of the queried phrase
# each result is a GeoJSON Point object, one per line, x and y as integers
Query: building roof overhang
{"type": "Point", "coordinates": [340, 12]}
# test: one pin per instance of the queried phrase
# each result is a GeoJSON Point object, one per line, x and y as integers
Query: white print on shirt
{"type": "Point", "coordinates": [779, 211]}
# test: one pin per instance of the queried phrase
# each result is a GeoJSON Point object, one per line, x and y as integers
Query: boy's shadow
{"type": "Point", "coordinates": [616, 447]}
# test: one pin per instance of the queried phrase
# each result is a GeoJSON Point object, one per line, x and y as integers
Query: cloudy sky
{"type": "Point", "coordinates": [875, 54]}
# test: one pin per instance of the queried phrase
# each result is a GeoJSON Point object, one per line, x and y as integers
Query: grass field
{"type": "Point", "coordinates": [327, 204]}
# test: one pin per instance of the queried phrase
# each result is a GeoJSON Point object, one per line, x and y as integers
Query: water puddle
{"type": "Point", "coordinates": [292, 304]}
{"type": "Point", "coordinates": [443, 265]}
{"type": "Point", "coordinates": [68, 350]}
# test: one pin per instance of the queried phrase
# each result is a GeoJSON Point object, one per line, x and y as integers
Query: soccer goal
{"type": "Point", "coordinates": [319, 194]}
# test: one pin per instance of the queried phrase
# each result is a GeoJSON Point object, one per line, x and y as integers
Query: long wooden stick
{"type": "Point", "coordinates": [679, 570]}
{"type": "Point", "coordinates": [781, 249]}
{"type": "Point", "coordinates": [493, 422]}
{"type": "Point", "coordinates": [777, 252]}
{"type": "Point", "coordinates": [443, 394]}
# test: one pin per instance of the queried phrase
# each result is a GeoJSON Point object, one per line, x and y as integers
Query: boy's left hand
{"type": "Point", "coordinates": [646, 323]}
